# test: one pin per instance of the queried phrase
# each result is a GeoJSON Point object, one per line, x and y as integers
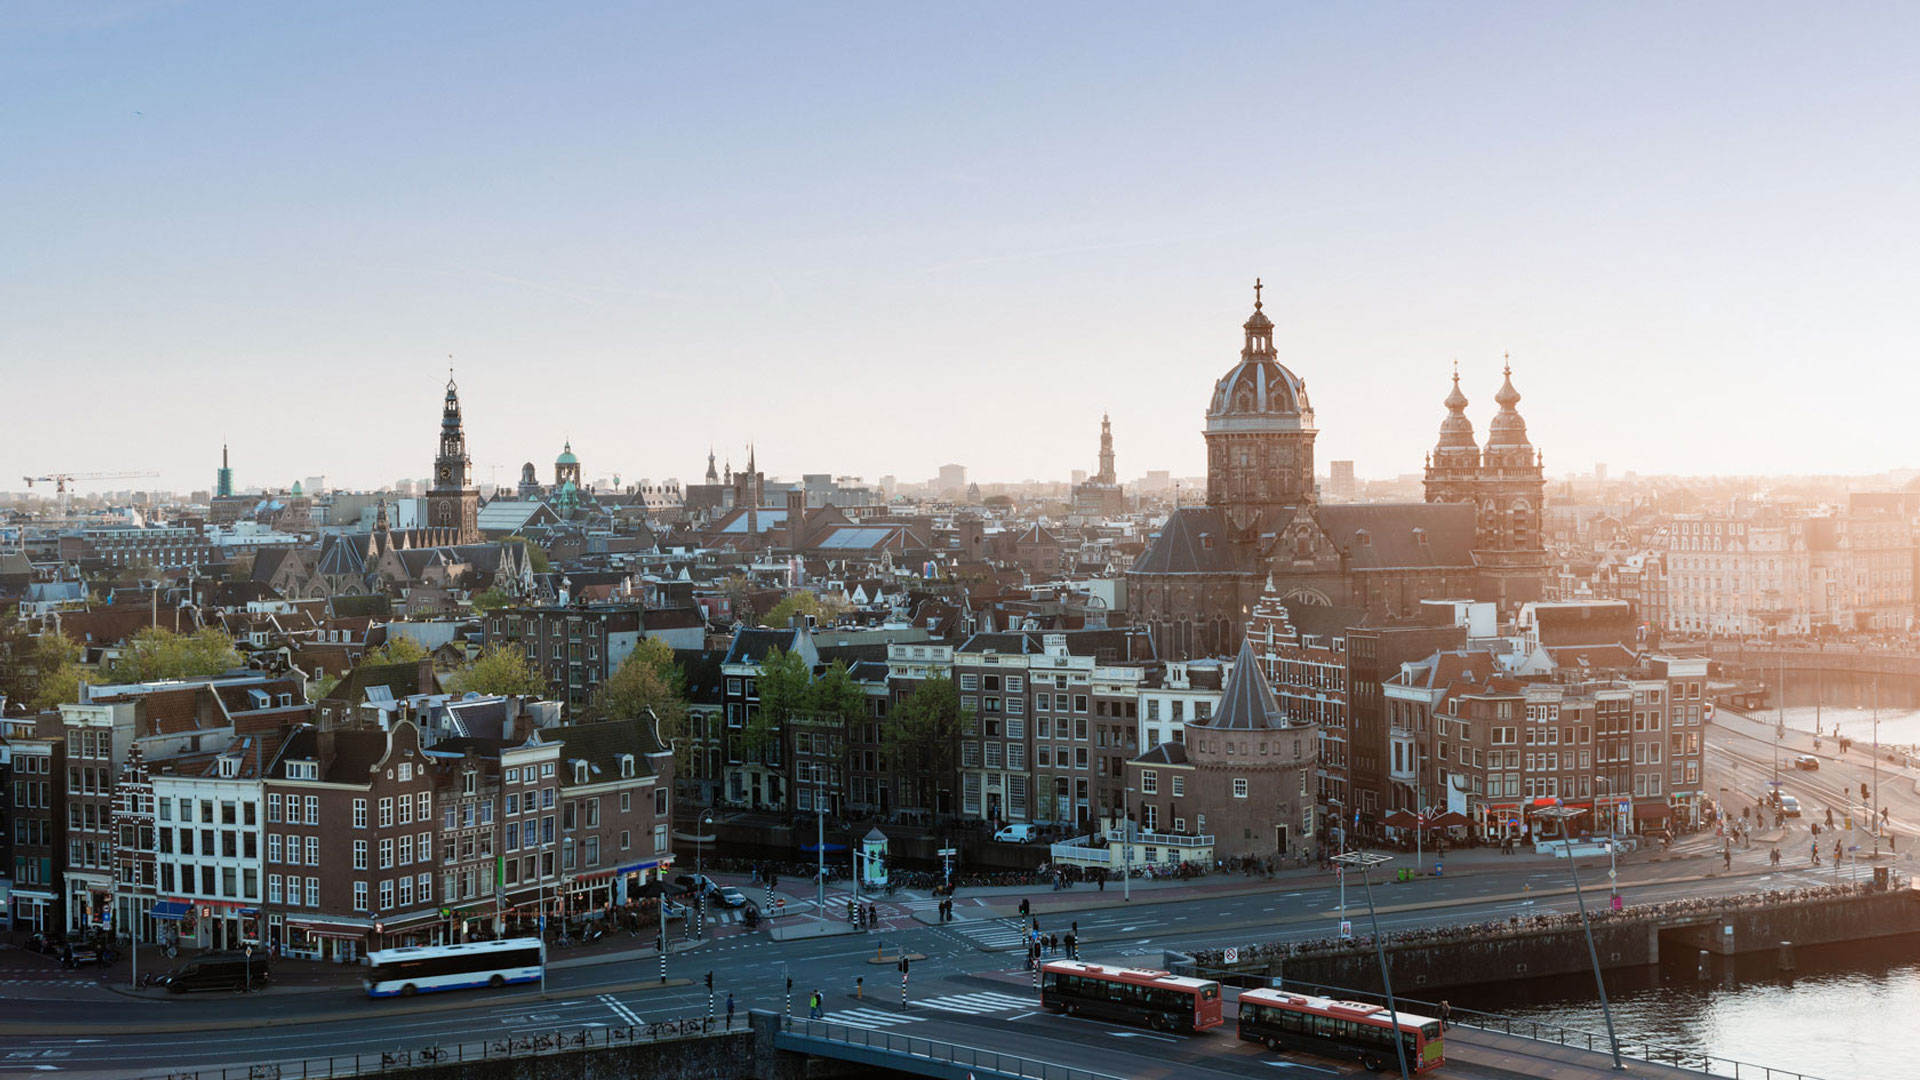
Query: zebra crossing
{"type": "Point", "coordinates": [979, 1004]}
{"type": "Point", "coordinates": [993, 936]}
{"type": "Point", "coordinates": [871, 1019]}
{"type": "Point", "coordinates": [975, 1004]}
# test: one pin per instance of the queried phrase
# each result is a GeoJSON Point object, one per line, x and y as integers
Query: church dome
{"type": "Point", "coordinates": [566, 455]}
{"type": "Point", "coordinates": [1456, 431]}
{"type": "Point", "coordinates": [1507, 428]}
{"type": "Point", "coordinates": [1259, 393]}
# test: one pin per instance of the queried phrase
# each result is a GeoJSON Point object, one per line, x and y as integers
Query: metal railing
{"type": "Point", "coordinates": [1579, 1038]}
{"type": "Point", "coordinates": [539, 1044]}
{"type": "Point", "coordinates": [935, 1050]}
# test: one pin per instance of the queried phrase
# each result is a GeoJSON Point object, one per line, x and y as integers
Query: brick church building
{"type": "Point", "coordinates": [1477, 535]}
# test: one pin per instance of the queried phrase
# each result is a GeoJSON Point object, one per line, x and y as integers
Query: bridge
{"type": "Point", "coordinates": [1478, 1046]}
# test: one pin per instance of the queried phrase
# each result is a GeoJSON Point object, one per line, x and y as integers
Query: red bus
{"type": "Point", "coordinates": [1154, 998]}
{"type": "Point", "coordinates": [1340, 1029]}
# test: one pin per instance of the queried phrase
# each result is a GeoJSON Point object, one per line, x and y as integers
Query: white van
{"type": "Point", "coordinates": [1017, 834]}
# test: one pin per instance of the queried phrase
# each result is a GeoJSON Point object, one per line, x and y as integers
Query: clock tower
{"type": "Point", "coordinates": [453, 504]}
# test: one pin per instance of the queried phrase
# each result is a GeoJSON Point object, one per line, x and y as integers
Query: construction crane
{"type": "Point", "coordinates": [60, 481]}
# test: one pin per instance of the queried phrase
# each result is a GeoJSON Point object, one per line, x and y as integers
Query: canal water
{"type": "Point", "coordinates": [1847, 702]}
{"type": "Point", "coordinates": [1846, 1011]}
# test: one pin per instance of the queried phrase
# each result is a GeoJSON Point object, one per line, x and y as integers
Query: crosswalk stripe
{"type": "Point", "coordinates": [977, 1004]}
{"type": "Point", "coordinates": [868, 1018]}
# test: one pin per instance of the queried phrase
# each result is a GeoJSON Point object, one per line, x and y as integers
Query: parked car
{"type": "Point", "coordinates": [1017, 834]}
{"type": "Point", "coordinates": [1806, 761]}
{"type": "Point", "coordinates": [1789, 806]}
{"type": "Point", "coordinates": [697, 883]}
{"type": "Point", "coordinates": [731, 897]}
{"type": "Point", "coordinates": [219, 971]}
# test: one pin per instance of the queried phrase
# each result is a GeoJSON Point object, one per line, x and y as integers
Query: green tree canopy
{"type": "Point", "coordinates": [40, 670]}
{"type": "Point", "coordinates": [648, 679]}
{"type": "Point", "coordinates": [159, 653]}
{"type": "Point", "coordinates": [784, 683]}
{"type": "Point", "coordinates": [922, 732]}
{"type": "Point", "coordinates": [397, 650]}
{"type": "Point", "coordinates": [492, 600]}
{"type": "Point", "coordinates": [501, 669]}
{"type": "Point", "coordinates": [536, 555]}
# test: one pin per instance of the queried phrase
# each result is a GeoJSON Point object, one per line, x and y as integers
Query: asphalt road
{"type": "Point", "coordinates": [970, 984]}
{"type": "Point", "coordinates": [961, 984]}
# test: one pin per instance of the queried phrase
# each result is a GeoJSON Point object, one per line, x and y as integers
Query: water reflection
{"type": "Point", "coordinates": [1846, 1012]}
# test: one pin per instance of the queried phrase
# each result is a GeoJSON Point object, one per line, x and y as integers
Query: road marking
{"type": "Point", "coordinates": [1022, 1016]}
{"type": "Point", "coordinates": [977, 1004]}
{"type": "Point", "coordinates": [1297, 1065]}
{"type": "Point", "coordinates": [614, 1005]}
{"type": "Point", "coordinates": [1142, 1035]}
{"type": "Point", "coordinates": [871, 1019]}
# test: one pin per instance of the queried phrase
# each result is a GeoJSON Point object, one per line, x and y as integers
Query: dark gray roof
{"type": "Point", "coordinates": [1247, 703]}
{"type": "Point", "coordinates": [750, 646]}
{"type": "Point", "coordinates": [1193, 541]}
{"type": "Point", "coordinates": [1400, 534]}
{"type": "Point", "coordinates": [1167, 753]}
{"type": "Point", "coordinates": [1323, 620]}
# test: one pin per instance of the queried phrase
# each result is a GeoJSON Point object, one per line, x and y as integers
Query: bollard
{"type": "Point", "coordinates": [859, 989]}
{"type": "Point", "coordinates": [1705, 970]}
{"type": "Point", "coordinates": [1784, 959]}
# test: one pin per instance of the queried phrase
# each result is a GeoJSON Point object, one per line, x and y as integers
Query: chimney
{"type": "Point", "coordinates": [796, 518]}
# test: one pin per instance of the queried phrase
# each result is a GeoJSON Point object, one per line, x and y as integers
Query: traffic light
{"type": "Point", "coordinates": [905, 964]}
{"type": "Point", "coordinates": [789, 984]}
{"type": "Point", "coordinates": [1863, 791]}
{"type": "Point", "coordinates": [710, 980]}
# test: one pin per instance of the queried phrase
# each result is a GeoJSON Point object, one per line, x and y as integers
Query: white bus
{"type": "Point", "coordinates": [417, 969]}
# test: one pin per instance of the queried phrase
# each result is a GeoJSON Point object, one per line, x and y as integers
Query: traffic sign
{"type": "Point", "coordinates": [781, 902]}
{"type": "Point", "coordinates": [1346, 928]}
{"type": "Point", "coordinates": [1232, 956]}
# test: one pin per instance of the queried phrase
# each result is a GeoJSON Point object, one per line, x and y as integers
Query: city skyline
{"type": "Point", "coordinates": [715, 210]}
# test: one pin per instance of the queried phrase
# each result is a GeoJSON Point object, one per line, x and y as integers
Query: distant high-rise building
{"type": "Point", "coordinates": [952, 478]}
{"type": "Point", "coordinates": [223, 486]}
{"type": "Point", "coordinates": [1079, 477]}
{"type": "Point", "coordinates": [1600, 471]}
{"type": "Point", "coordinates": [1340, 479]}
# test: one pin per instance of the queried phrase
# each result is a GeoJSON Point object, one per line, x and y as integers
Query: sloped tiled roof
{"type": "Point", "coordinates": [1167, 753]}
{"type": "Point", "coordinates": [1193, 541]}
{"type": "Point", "coordinates": [1400, 535]}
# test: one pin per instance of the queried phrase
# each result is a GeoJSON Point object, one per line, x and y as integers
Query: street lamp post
{"type": "Point", "coordinates": [820, 850]}
{"type": "Point", "coordinates": [1366, 861]}
{"type": "Point", "coordinates": [1126, 844]}
{"type": "Point", "coordinates": [1565, 815]}
{"type": "Point", "coordinates": [700, 875]}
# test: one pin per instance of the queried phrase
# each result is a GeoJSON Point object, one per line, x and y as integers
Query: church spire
{"type": "Point", "coordinates": [1508, 430]}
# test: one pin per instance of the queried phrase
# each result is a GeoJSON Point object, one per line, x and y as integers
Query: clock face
{"type": "Point", "coordinates": [445, 473]}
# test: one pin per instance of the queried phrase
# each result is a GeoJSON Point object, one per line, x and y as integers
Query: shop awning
{"type": "Point", "coordinates": [171, 910]}
{"type": "Point", "coordinates": [1400, 819]}
{"type": "Point", "coordinates": [1651, 811]}
{"type": "Point", "coordinates": [1449, 820]}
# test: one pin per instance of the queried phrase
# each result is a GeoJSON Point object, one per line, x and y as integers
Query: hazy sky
{"type": "Point", "coordinates": [876, 238]}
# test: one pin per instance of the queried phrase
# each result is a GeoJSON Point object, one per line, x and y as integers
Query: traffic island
{"type": "Point", "coordinates": [812, 928]}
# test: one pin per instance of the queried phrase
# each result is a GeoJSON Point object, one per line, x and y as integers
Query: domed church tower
{"type": "Point", "coordinates": [1453, 468]}
{"type": "Point", "coordinates": [1259, 435]}
{"type": "Point", "coordinates": [1512, 493]}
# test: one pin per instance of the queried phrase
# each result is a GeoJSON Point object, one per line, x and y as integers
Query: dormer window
{"type": "Point", "coordinates": [229, 768]}
{"type": "Point", "coordinates": [579, 772]}
{"type": "Point", "coordinates": [303, 770]}
{"type": "Point", "coordinates": [626, 766]}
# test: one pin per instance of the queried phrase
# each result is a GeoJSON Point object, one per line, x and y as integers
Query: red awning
{"type": "Point", "coordinates": [1400, 819]}
{"type": "Point", "coordinates": [1449, 820]}
{"type": "Point", "coordinates": [1651, 811]}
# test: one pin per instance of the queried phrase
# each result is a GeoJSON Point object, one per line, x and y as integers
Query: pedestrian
{"type": "Point", "coordinates": [1446, 1014]}
{"type": "Point", "coordinates": [813, 1005]}
{"type": "Point", "coordinates": [1726, 857]}
{"type": "Point", "coordinates": [729, 1010]}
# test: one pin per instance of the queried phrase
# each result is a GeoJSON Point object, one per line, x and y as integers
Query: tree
{"type": "Point", "coordinates": [839, 701]}
{"type": "Point", "coordinates": [397, 650]}
{"type": "Point", "coordinates": [784, 683]}
{"type": "Point", "coordinates": [502, 669]}
{"type": "Point", "coordinates": [799, 603]}
{"type": "Point", "coordinates": [536, 555]}
{"type": "Point", "coordinates": [158, 653]}
{"type": "Point", "coordinates": [40, 671]}
{"type": "Point", "coordinates": [492, 600]}
{"type": "Point", "coordinates": [648, 680]}
{"type": "Point", "coordinates": [922, 733]}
